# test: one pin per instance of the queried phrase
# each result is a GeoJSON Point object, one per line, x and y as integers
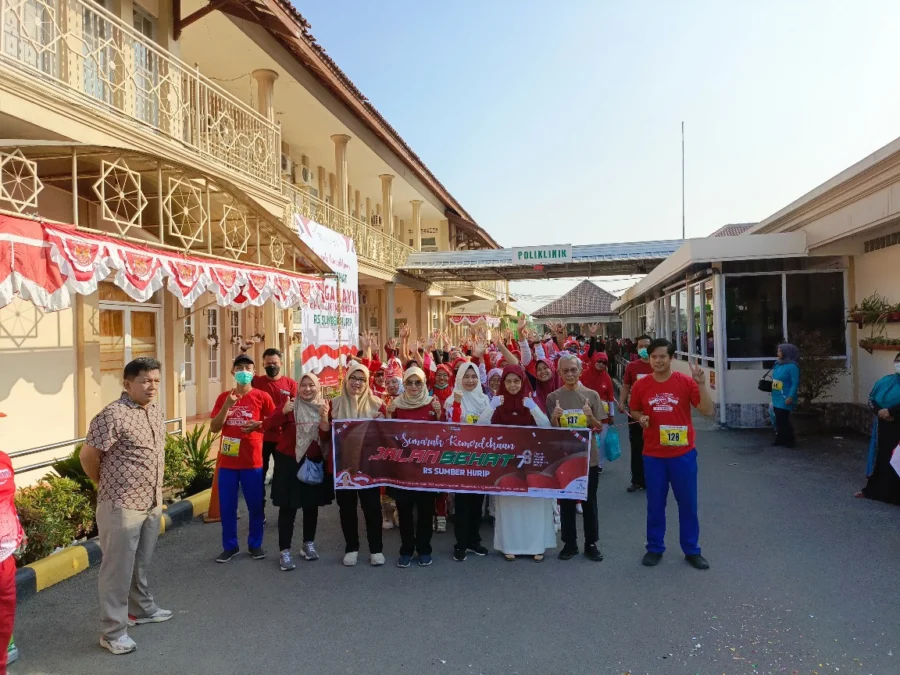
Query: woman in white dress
{"type": "Point", "coordinates": [524, 525]}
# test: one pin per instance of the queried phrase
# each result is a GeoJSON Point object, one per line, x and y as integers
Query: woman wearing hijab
{"type": "Point", "coordinates": [414, 508]}
{"type": "Point", "coordinates": [443, 391]}
{"type": "Point", "coordinates": [494, 377]}
{"type": "Point", "coordinates": [303, 422]}
{"type": "Point", "coordinates": [546, 381]}
{"type": "Point", "coordinates": [357, 402]}
{"type": "Point", "coordinates": [524, 525]}
{"type": "Point", "coordinates": [785, 381]}
{"type": "Point", "coordinates": [467, 403]}
{"type": "Point", "coordinates": [884, 483]}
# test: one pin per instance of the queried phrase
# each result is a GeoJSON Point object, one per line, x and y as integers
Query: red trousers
{"type": "Point", "coordinates": [7, 606]}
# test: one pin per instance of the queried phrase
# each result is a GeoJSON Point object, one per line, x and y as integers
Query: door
{"type": "Point", "coordinates": [190, 384]}
{"type": "Point", "coordinates": [212, 353]}
{"type": "Point", "coordinates": [127, 332]}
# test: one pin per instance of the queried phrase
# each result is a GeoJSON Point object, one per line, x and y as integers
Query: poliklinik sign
{"type": "Point", "coordinates": [543, 255]}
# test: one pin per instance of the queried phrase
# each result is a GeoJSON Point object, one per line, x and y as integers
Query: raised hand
{"type": "Point", "coordinates": [557, 412]}
{"type": "Point", "coordinates": [324, 409]}
{"type": "Point", "coordinates": [479, 347]}
{"type": "Point", "coordinates": [521, 323]}
{"type": "Point", "coordinates": [231, 399]}
{"type": "Point", "coordinates": [288, 406]}
{"type": "Point", "coordinates": [436, 405]}
{"type": "Point", "coordinates": [698, 374]}
{"type": "Point", "coordinates": [457, 397]}
{"type": "Point", "coordinates": [364, 342]}
{"type": "Point", "coordinates": [404, 331]}
{"type": "Point", "coordinates": [496, 402]}
{"type": "Point", "coordinates": [593, 328]}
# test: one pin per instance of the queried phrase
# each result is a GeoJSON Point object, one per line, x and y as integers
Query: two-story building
{"type": "Point", "coordinates": [153, 157]}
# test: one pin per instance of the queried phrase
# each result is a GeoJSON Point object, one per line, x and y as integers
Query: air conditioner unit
{"type": "Point", "coordinates": [375, 221]}
{"type": "Point", "coordinates": [287, 167]}
{"type": "Point", "coordinates": [307, 176]}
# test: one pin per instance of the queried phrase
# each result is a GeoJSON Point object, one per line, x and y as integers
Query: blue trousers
{"type": "Point", "coordinates": [251, 484]}
{"type": "Point", "coordinates": [681, 474]}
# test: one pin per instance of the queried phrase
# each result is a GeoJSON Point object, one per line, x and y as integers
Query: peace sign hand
{"type": "Point", "coordinates": [698, 374]}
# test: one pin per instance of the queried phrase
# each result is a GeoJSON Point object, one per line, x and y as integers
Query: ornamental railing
{"type": "Point", "coordinates": [81, 48]}
{"type": "Point", "coordinates": [372, 244]}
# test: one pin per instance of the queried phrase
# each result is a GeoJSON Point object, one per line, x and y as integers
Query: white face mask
{"type": "Point", "coordinates": [897, 367]}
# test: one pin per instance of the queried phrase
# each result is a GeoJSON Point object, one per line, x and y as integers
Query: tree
{"type": "Point", "coordinates": [819, 371]}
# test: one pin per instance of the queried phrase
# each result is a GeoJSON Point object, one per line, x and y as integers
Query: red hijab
{"type": "Point", "coordinates": [600, 382]}
{"type": "Point", "coordinates": [513, 411]}
{"type": "Point", "coordinates": [545, 388]}
{"type": "Point", "coordinates": [443, 394]}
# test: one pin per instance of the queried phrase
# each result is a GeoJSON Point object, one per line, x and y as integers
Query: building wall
{"type": "Point", "coordinates": [876, 272]}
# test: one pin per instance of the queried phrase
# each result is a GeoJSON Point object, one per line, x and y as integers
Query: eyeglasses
{"type": "Point", "coordinates": [357, 380]}
{"type": "Point", "coordinates": [413, 384]}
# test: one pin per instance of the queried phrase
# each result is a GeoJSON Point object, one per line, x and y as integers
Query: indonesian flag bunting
{"type": "Point", "coordinates": [46, 263]}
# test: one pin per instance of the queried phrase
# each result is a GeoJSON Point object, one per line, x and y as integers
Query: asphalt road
{"type": "Point", "coordinates": [804, 580]}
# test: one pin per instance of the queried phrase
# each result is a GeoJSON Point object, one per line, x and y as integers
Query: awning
{"type": "Point", "coordinates": [46, 263]}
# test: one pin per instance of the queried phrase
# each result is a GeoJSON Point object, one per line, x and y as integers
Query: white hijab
{"type": "Point", "coordinates": [473, 402]}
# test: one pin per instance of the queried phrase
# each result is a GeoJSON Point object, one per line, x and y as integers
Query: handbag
{"type": "Point", "coordinates": [611, 448]}
{"type": "Point", "coordinates": [765, 384]}
{"type": "Point", "coordinates": [311, 472]}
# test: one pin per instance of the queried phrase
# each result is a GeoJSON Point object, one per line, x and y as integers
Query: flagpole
{"type": "Point", "coordinates": [682, 182]}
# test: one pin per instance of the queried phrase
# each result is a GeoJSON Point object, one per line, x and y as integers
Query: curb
{"type": "Point", "coordinates": [43, 574]}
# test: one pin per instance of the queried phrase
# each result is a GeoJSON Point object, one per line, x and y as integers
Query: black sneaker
{"type": "Point", "coordinates": [459, 554]}
{"type": "Point", "coordinates": [591, 552]}
{"type": "Point", "coordinates": [479, 550]}
{"type": "Point", "coordinates": [697, 561]}
{"type": "Point", "coordinates": [651, 559]}
{"type": "Point", "coordinates": [568, 552]}
{"type": "Point", "coordinates": [257, 553]}
{"type": "Point", "coordinates": [225, 556]}
{"type": "Point", "coordinates": [634, 487]}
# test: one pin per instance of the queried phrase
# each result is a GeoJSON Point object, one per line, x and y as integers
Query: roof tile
{"type": "Point", "coordinates": [586, 299]}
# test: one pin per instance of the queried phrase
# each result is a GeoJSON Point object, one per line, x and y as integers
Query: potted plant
{"type": "Point", "coordinates": [198, 444]}
{"type": "Point", "coordinates": [819, 372]}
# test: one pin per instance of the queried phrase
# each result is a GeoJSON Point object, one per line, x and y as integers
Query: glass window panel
{"type": "Point", "coordinates": [708, 315]}
{"type": "Point", "coordinates": [694, 314]}
{"type": "Point", "coordinates": [671, 326]}
{"type": "Point", "coordinates": [753, 316]}
{"type": "Point", "coordinates": [682, 344]}
{"type": "Point", "coordinates": [189, 350]}
{"type": "Point", "coordinates": [112, 353]}
{"type": "Point", "coordinates": [212, 321]}
{"type": "Point", "coordinates": [815, 302]}
{"type": "Point", "coordinates": [143, 334]}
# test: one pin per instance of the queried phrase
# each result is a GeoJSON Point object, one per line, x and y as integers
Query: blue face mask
{"type": "Point", "coordinates": [642, 352]}
{"type": "Point", "coordinates": [243, 377]}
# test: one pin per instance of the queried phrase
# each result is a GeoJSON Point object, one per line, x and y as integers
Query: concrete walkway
{"type": "Point", "coordinates": [803, 580]}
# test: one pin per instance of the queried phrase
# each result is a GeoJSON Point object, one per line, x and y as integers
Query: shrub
{"type": "Point", "coordinates": [197, 445]}
{"type": "Point", "coordinates": [53, 513]}
{"type": "Point", "coordinates": [70, 467]}
{"type": "Point", "coordinates": [819, 372]}
{"type": "Point", "coordinates": [178, 474]}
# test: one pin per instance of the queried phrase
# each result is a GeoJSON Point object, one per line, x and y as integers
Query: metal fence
{"type": "Point", "coordinates": [178, 431]}
{"type": "Point", "coordinates": [619, 367]}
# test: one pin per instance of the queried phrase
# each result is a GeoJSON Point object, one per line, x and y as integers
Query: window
{"type": "Point", "coordinates": [397, 324]}
{"type": "Point", "coordinates": [694, 317]}
{"type": "Point", "coordinates": [672, 320]}
{"type": "Point", "coordinates": [708, 313]}
{"type": "Point", "coordinates": [146, 66]}
{"type": "Point", "coordinates": [188, 349]}
{"type": "Point", "coordinates": [235, 335]}
{"type": "Point", "coordinates": [212, 322]}
{"type": "Point", "coordinates": [815, 303]}
{"type": "Point", "coordinates": [753, 316]}
{"type": "Point", "coordinates": [682, 344]}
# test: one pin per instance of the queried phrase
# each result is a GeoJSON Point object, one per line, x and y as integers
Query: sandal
{"type": "Point", "coordinates": [539, 558]}
{"type": "Point", "coordinates": [509, 558]}
{"type": "Point", "coordinates": [860, 495]}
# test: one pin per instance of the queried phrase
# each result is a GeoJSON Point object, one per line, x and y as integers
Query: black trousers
{"type": "Point", "coordinates": [415, 510]}
{"type": "Point", "coordinates": [286, 518]}
{"type": "Point", "coordinates": [467, 520]}
{"type": "Point", "coordinates": [784, 430]}
{"type": "Point", "coordinates": [636, 437]}
{"type": "Point", "coordinates": [268, 449]}
{"type": "Point", "coordinates": [370, 501]}
{"type": "Point", "coordinates": [568, 514]}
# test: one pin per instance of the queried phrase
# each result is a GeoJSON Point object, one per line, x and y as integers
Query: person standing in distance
{"type": "Point", "coordinates": [661, 404]}
{"type": "Point", "coordinates": [635, 371]}
{"type": "Point", "coordinates": [124, 455]}
{"type": "Point", "coordinates": [239, 415]}
{"type": "Point", "coordinates": [281, 389]}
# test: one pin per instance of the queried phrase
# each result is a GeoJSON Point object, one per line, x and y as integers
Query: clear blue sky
{"type": "Point", "coordinates": [560, 123]}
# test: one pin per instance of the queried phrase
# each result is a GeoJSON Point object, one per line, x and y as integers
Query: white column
{"type": "Point", "coordinates": [340, 164]}
{"type": "Point", "coordinates": [387, 203]}
{"type": "Point", "coordinates": [265, 90]}
{"type": "Point", "coordinates": [417, 223]}
{"type": "Point", "coordinates": [389, 310]}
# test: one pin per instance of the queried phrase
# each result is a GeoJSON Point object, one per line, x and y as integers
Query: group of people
{"type": "Point", "coordinates": [550, 380]}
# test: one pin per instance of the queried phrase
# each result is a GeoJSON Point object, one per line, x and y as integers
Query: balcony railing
{"type": "Point", "coordinates": [371, 244]}
{"type": "Point", "coordinates": [492, 288]}
{"type": "Point", "coordinates": [81, 48]}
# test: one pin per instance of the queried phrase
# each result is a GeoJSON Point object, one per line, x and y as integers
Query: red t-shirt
{"type": "Point", "coordinates": [11, 532]}
{"type": "Point", "coordinates": [239, 450]}
{"type": "Point", "coordinates": [668, 404]}
{"type": "Point", "coordinates": [634, 371]}
{"type": "Point", "coordinates": [423, 414]}
{"type": "Point", "coordinates": [280, 390]}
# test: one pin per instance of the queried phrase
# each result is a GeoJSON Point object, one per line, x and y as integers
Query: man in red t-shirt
{"type": "Point", "coordinates": [239, 415]}
{"type": "Point", "coordinates": [282, 389]}
{"type": "Point", "coordinates": [661, 404]}
{"type": "Point", "coordinates": [634, 371]}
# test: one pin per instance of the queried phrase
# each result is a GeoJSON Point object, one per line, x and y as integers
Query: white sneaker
{"type": "Point", "coordinates": [376, 559]}
{"type": "Point", "coordinates": [351, 558]}
{"type": "Point", "coordinates": [121, 645]}
{"type": "Point", "coordinates": [441, 524]}
{"type": "Point", "coordinates": [387, 525]}
{"type": "Point", "coordinates": [579, 508]}
{"type": "Point", "coordinates": [158, 616]}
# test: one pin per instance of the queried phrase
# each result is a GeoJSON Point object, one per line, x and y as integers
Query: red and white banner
{"type": "Point", "coordinates": [46, 263]}
{"type": "Point", "coordinates": [329, 334]}
{"type": "Point", "coordinates": [473, 320]}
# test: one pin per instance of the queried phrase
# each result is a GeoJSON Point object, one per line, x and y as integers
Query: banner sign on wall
{"type": "Point", "coordinates": [491, 459]}
{"type": "Point", "coordinates": [323, 347]}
